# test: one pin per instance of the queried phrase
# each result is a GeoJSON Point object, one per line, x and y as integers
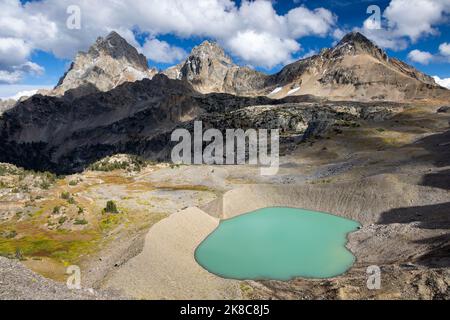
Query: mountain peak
{"type": "Point", "coordinates": [117, 47]}
{"type": "Point", "coordinates": [114, 35]}
{"type": "Point", "coordinates": [356, 43]}
{"type": "Point", "coordinates": [355, 36]}
{"type": "Point", "coordinates": [109, 62]}
{"type": "Point", "coordinates": [210, 50]}
{"type": "Point", "coordinates": [209, 69]}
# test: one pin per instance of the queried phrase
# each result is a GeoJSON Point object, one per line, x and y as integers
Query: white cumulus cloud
{"type": "Point", "coordinates": [416, 18]}
{"type": "Point", "coordinates": [10, 76]}
{"type": "Point", "coordinates": [444, 49]}
{"type": "Point", "coordinates": [406, 21]}
{"type": "Point", "coordinates": [42, 25]}
{"type": "Point", "coordinates": [252, 47]}
{"type": "Point", "coordinates": [422, 57]}
{"type": "Point", "coordinates": [442, 82]}
{"type": "Point", "coordinates": [13, 51]}
{"type": "Point", "coordinates": [161, 51]}
{"type": "Point", "coordinates": [303, 22]}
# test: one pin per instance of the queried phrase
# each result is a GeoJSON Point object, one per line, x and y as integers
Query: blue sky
{"type": "Point", "coordinates": [263, 34]}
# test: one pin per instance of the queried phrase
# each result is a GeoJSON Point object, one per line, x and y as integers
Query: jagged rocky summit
{"type": "Point", "coordinates": [108, 63]}
{"type": "Point", "coordinates": [209, 69]}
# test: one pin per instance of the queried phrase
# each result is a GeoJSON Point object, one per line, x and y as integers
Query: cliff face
{"type": "Point", "coordinates": [208, 69]}
{"type": "Point", "coordinates": [109, 62]}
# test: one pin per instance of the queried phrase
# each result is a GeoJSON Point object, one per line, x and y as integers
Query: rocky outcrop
{"type": "Point", "coordinates": [444, 109]}
{"type": "Point", "coordinates": [208, 69]}
{"type": "Point", "coordinates": [110, 62]}
{"type": "Point", "coordinates": [300, 121]}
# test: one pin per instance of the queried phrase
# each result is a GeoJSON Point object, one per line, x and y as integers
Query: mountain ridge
{"type": "Point", "coordinates": [354, 69]}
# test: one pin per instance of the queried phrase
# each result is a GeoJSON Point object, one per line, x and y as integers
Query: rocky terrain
{"type": "Point", "coordinates": [356, 69]}
{"type": "Point", "coordinates": [19, 283]}
{"type": "Point", "coordinates": [208, 69]}
{"type": "Point", "coordinates": [110, 62]}
{"type": "Point", "coordinates": [86, 178]}
{"type": "Point", "coordinates": [66, 136]}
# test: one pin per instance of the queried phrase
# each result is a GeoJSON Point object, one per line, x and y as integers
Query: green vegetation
{"type": "Point", "coordinates": [62, 220]}
{"type": "Point", "coordinates": [110, 222]}
{"type": "Point", "coordinates": [19, 254]}
{"type": "Point", "coordinates": [56, 210]}
{"type": "Point", "coordinates": [347, 124]}
{"type": "Point", "coordinates": [246, 289]}
{"type": "Point", "coordinates": [185, 187]}
{"type": "Point", "coordinates": [44, 180]}
{"type": "Point", "coordinates": [60, 246]}
{"type": "Point", "coordinates": [45, 185]}
{"type": "Point", "coordinates": [8, 234]}
{"type": "Point", "coordinates": [132, 163]}
{"type": "Point", "coordinates": [6, 169]}
{"type": "Point", "coordinates": [65, 195]}
{"type": "Point", "coordinates": [80, 222]}
{"type": "Point", "coordinates": [323, 181]}
{"type": "Point", "coordinates": [111, 207]}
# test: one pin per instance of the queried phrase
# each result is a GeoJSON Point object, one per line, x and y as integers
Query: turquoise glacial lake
{"type": "Point", "coordinates": [278, 244]}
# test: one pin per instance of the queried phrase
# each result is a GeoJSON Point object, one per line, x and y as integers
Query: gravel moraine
{"type": "Point", "coordinates": [19, 283]}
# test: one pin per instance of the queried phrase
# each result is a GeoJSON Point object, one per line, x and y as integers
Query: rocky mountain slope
{"type": "Point", "coordinates": [48, 128]}
{"type": "Point", "coordinates": [356, 69]}
{"type": "Point", "coordinates": [208, 69]}
{"type": "Point", "coordinates": [110, 62]}
{"type": "Point", "coordinates": [61, 135]}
